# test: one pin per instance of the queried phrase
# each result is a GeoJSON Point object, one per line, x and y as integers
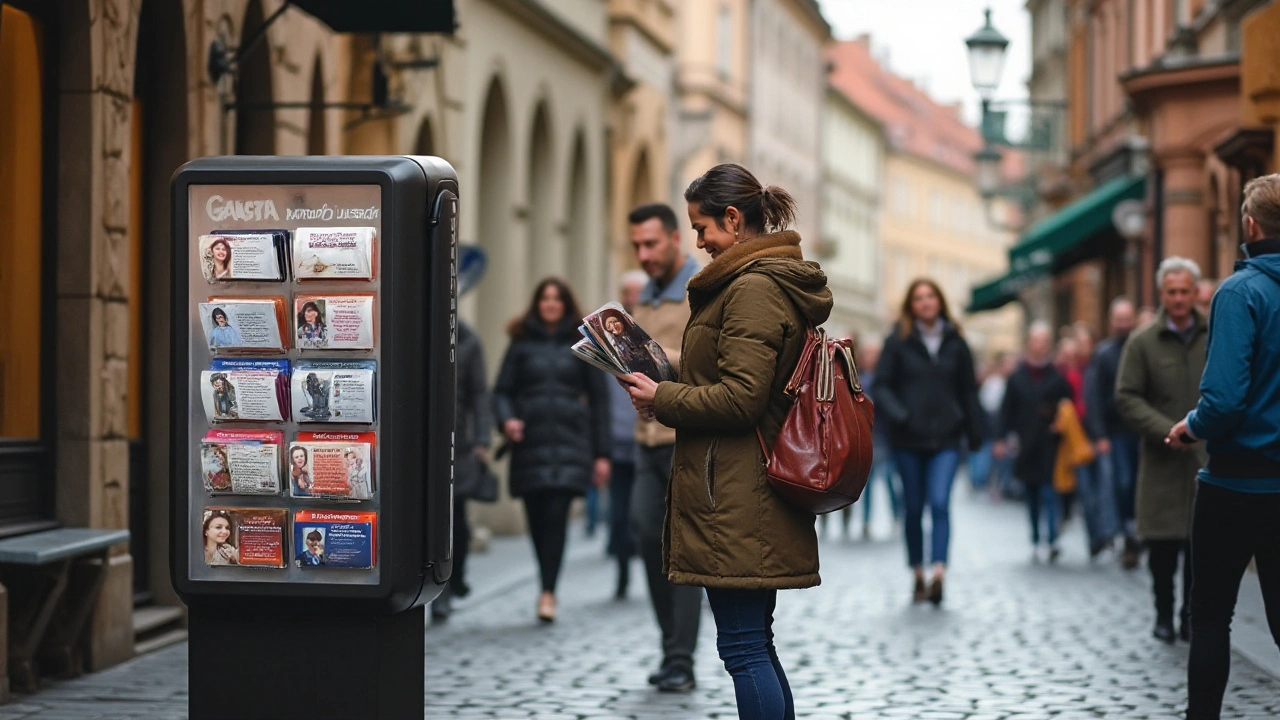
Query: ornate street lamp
{"type": "Point", "coordinates": [986, 50]}
{"type": "Point", "coordinates": [986, 57]}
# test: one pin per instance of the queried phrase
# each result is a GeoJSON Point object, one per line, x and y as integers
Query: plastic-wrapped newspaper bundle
{"type": "Point", "coordinates": [240, 255]}
{"type": "Point", "coordinates": [240, 323]}
{"type": "Point", "coordinates": [333, 253]}
{"type": "Point", "coordinates": [332, 466]}
{"type": "Point", "coordinates": [334, 539]}
{"type": "Point", "coordinates": [248, 537]}
{"type": "Point", "coordinates": [241, 462]}
{"type": "Point", "coordinates": [246, 390]}
{"type": "Point", "coordinates": [334, 322]}
{"type": "Point", "coordinates": [335, 391]}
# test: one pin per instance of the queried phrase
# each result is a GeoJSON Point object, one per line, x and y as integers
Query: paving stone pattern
{"type": "Point", "coordinates": [1013, 641]}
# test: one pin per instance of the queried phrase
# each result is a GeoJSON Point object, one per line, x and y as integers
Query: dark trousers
{"type": "Point", "coordinates": [1228, 528]}
{"type": "Point", "coordinates": [622, 546]}
{"type": "Point", "coordinates": [678, 608]}
{"type": "Point", "coordinates": [461, 545]}
{"type": "Point", "coordinates": [548, 514]}
{"type": "Point", "coordinates": [744, 638]}
{"type": "Point", "coordinates": [1162, 558]}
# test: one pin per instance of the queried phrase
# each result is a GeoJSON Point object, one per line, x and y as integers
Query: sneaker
{"type": "Point", "coordinates": [1054, 554]}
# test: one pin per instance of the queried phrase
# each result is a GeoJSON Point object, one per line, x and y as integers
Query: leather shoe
{"type": "Point", "coordinates": [935, 591]}
{"type": "Point", "coordinates": [656, 677]}
{"type": "Point", "coordinates": [676, 680]}
{"type": "Point", "coordinates": [919, 593]}
{"type": "Point", "coordinates": [1164, 633]}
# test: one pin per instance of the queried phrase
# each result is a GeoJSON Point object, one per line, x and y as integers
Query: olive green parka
{"type": "Point", "coordinates": [725, 527]}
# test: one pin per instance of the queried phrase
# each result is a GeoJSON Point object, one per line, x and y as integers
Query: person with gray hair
{"type": "Point", "coordinates": [1158, 382]}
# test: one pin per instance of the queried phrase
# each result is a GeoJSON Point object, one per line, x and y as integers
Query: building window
{"type": "Point", "coordinates": [724, 42]}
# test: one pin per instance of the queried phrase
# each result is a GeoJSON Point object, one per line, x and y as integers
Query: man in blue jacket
{"type": "Point", "coordinates": [1237, 506]}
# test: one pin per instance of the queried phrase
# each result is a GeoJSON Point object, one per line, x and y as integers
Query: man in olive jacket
{"type": "Point", "coordinates": [1159, 383]}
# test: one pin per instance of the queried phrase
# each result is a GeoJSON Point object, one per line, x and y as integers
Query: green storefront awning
{"type": "Point", "coordinates": [994, 294]}
{"type": "Point", "coordinates": [1055, 236]}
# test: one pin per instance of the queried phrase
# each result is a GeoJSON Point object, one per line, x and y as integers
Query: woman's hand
{"type": "Point", "coordinates": [643, 390]}
{"type": "Point", "coordinates": [513, 429]}
{"type": "Point", "coordinates": [600, 473]}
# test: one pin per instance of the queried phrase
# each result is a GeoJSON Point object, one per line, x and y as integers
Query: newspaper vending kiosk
{"type": "Point", "coordinates": [311, 423]}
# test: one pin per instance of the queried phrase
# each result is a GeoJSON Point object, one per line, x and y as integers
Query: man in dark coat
{"type": "Point", "coordinates": [1029, 412]}
{"type": "Point", "coordinates": [474, 426]}
{"type": "Point", "coordinates": [1114, 442]}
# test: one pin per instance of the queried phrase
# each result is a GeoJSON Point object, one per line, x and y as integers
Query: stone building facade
{"type": "Point", "coordinates": [853, 165]}
{"type": "Point", "coordinates": [788, 93]}
{"type": "Point", "coordinates": [932, 222]}
{"type": "Point", "coordinates": [116, 94]}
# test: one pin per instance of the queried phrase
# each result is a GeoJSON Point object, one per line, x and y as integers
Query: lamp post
{"type": "Point", "coordinates": [986, 51]}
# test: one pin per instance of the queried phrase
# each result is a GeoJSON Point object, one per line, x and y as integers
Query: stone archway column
{"type": "Point", "coordinates": [92, 459]}
{"type": "Point", "coordinates": [1186, 224]}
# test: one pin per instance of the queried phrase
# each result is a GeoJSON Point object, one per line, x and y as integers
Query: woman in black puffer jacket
{"type": "Point", "coordinates": [927, 392]}
{"type": "Point", "coordinates": [553, 410]}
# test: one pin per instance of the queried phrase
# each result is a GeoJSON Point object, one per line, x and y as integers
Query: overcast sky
{"type": "Point", "coordinates": [924, 41]}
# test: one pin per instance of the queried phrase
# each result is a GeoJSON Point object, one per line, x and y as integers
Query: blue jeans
{"type": "Point", "coordinates": [882, 467]}
{"type": "Point", "coordinates": [1042, 502]}
{"type": "Point", "coordinates": [927, 476]}
{"type": "Point", "coordinates": [744, 637]}
{"type": "Point", "coordinates": [1124, 465]}
{"type": "Point", "coordinates": [1098, 498]}
{"type": "Point", "coordinates": [592, 510]}
{"type": "Point", "coordinates": [981, 464]}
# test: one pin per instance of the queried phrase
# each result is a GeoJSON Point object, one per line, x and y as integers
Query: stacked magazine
{"type": "Point", "coordinates": [614, 342]}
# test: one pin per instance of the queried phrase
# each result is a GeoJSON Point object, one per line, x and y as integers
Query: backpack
{"type": "Point", "coordinates": [822, 456]}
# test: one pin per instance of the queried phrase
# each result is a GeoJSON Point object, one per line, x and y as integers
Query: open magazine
{"type": "Point", "coordinates": [614, 342]}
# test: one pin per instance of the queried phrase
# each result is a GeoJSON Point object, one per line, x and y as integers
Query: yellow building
{"type": "Point", "coordinates": [933, 222]}
{"type": "Point", "coordinates": [711, 84]}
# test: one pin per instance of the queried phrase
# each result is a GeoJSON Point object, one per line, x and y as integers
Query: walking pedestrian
{"type": "Point", "coordinates": [1114, 443]}
{"type": "Point", "coordinates": [622, 545]}
{"type": "Point", "coordinates": [1068, 363]}
{"type": "Point", "coordinates": [1159, 383]}
{"type": "Point", "coordinates": [553, 411]}
{"type": "Point", "coordinates": [1095, 481]}
{"type": "Point", "coordinates": [996, 475]}
{"type": "Point", "coordinates": [927, 391]}
{"type": "Point", "coordinates": [474, 424]}
{"type": "Point", "coordinates": [1029, 413]}
{"type": "Point", "coordinates": [882, 465]}
{"type": "Point", "coordinates": [662, 310]}
{"type": "Point", "coordinates": [1237, 505]}
{"type": "Point", "coordinates": [726, 528]}
{"type": "Point", "coordinates": [1204, 295]}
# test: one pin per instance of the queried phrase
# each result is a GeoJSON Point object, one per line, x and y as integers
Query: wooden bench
{"type": "Point", "coordinates": [51, 555]}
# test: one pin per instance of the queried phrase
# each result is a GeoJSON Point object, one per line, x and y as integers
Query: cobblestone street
{"type": "Point", "coordinates": [1013, 640]}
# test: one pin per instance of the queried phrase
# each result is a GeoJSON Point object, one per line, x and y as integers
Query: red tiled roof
{"type": "Point", "coordinates": [914, 122]}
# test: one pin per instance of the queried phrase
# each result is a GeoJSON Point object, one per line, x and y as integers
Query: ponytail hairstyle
{"type": "Point", "coordinates": [764, 208]}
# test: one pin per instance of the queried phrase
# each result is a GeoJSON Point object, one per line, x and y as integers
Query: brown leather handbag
{"type": "Point", "coordinates": [822, 456]}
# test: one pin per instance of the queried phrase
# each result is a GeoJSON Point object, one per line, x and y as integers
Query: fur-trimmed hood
{"type": "Point", "coordinates": [778, 256]}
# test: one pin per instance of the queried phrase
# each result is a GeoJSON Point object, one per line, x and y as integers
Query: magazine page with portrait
{"type": "Point", "coordinates": [334, 391]}
{"type": "Point", "coordinates": [241, 462]}
{"type": "Point", "coordinates": [251, 324]}
{"type": "Point", "coordinates": [334, 322]}
{"type": "Point", "coordinates": [247, 537]}
{"type": "Point", "coordinates": [332, 466]}
{"type": "Point", "coordinates": [238, 255]}
{"type": "Point", "coordinates": [335, 539]}
{"type": "Point", "coordinates": [615, 342]}
{"type": "Point", "coordinates": [246, 390]}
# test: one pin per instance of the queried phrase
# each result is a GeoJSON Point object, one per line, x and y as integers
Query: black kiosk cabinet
{"type": "Point", "coordinates": [313, 387]}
